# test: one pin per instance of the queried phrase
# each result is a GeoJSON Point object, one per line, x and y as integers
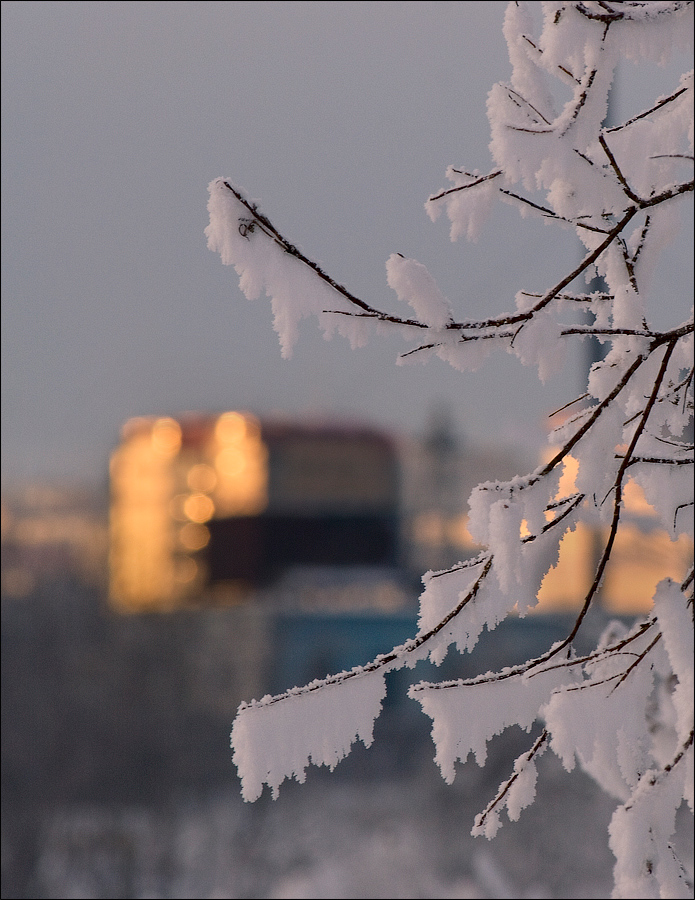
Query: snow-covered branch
{"type": "Point", "coordinates": [623, 711]}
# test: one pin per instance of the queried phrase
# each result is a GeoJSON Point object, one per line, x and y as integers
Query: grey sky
{"type": "Point", "coordinates": [340, 117]}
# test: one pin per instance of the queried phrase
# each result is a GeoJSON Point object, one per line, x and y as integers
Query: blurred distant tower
{"type": "Point", "coordinates": [436, 519]}
{"type": "Point", "coordinates": [444, 462]}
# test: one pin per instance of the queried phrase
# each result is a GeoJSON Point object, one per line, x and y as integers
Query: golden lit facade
{"type": "Point", "coordinates": [169, 480]}
{"type": "Point", "coordinates": [205, 507]}
{"type": "Point", "coordinates": [643, 554]}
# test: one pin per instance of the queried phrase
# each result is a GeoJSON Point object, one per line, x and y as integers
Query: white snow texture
{"type": "Point", "coordinates": [625, 711]}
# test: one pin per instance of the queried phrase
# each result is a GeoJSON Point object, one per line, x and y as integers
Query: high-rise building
{"type": "Point", "coordinates": [204, 506]}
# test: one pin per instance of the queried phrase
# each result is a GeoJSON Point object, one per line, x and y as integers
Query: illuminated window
{"type": "Point", "coordinates": [199, 507]}
{"type": "Point", "coordinates": [241, 466]}
{"type": "Point", "coordinates": [201, 478]}
{"type": "Point", "coordinates": [141, 539]}
{"type": "Point", "coordinates": [166, 437]}
{"type": "Point", "coordinates": [194, 537]}
{"type": "Point", "coordinates": [231, 428]}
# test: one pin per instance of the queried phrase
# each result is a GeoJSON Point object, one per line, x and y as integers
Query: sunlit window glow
{"type": "Point", "coordinates": [199, 508]}
{"type": "Point", "coordinates": [186, 570]}
{"type": "Point", "coordinates": [194, 537]}
{"type": "Point", "coordinates": [231, 428]}
{"type": "Point", "coordinates": [241, 465]}
{"type": "Point", "coordinates": [230, 461]}
{"type": "Point", "coordinates": [201, 478]}
{"type": "Point", "coordinates": [166, 437]}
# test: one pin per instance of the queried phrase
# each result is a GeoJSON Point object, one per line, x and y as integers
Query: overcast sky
{"type": "Point", "coordinates": [341, 118]}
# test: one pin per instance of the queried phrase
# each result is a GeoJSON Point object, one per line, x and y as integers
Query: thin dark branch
{"type": "Point", "coordinates": [669, 194]}
{"type": "Point", "coordinates": [467, 564]}
{"type": "Point", "coordinates": [582, 99]}
{"type": "Point", "coordinates": [624, 10]}
{"type": "Point", "coordinates": [679, 445]}
{"type": "Point", "coordinates": [525, 667]}
{"type": "Point", "coordinates": [660, 461]}
{"type": "Point", "coordinates": [616, 168]}
{"type": "Point", "coordinates": [564, 70]}
{"type": "Point", "coordinates": [685, 382]}
{"type": "Point", "coordinates": [504, 788]}
{"type": "Point", "coordinates": [573, 503]}
{"type": "Point", "coordinates": [418, 349]}
{"type": "Point", "coordinates": [576, 298]}
{"type": "Point", "coordinates": [678, 509]}
{"type": "Point", "coordinates": [630, 268]}
{"type": "Point", "coordinates": [583, 156]}
{"type": "Point", "coordinates": [586, 685]}
{"type": "Point", "coordinates": [272, 232]}
{"type": "Point", "coordinates": [463, 339]}
{"type": "Point", "coordinates": [384, 659]}
{"type": "Point", "coordinates": [549, 296]}
{"type": "Point", "coordinates": [588, 260]}
{"type": "Point", "coordinates": [642, 239]}
{"type": "Point", "coordinates": [596, 412]}
{"type": "Point", "coordinates": [549, 214]}
{"type": "Point", "coordinates": [530, 105]}
{"type": "Point", "coordinates": [681, 753]}
{"type": "Point", "coordinates": [571, 403]}
{"type": "Point", "coordinates": [647, 112]}
{"type": "Point", "coordinates": [675, 334]}
{"type": "Point", "coordinates": [637, 661]}
{"type": "Point", "coordinates": [597, 655]}
{"type": "Point", "coordinates": [530, 130]}
{"type": "Point", "coordinates": [593, 330]}
{"type": "Point", "coordinates": [463, 187]}
{"type": "Point", "coordinates": [656, 778]}
{"type": "Point", "coordinates": [617, 504]}
{"type": "Point", "coordinates": [607, 17]}
{"type": "Point", "coordinates": [543, 209]}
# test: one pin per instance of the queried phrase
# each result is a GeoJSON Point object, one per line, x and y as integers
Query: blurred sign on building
{"type": "Point", "coordinates": [204, 506]}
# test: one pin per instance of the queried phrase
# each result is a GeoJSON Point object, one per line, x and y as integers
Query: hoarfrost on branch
{"type": "Point", "coordinates": [624, 712]}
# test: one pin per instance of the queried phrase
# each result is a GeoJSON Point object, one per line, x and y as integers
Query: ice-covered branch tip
{"type": "Point", "coordinates": [267, 262]}
{"type": "Point", "coordinates": [516, 793]}
{"type": "Point", "coordinates": [295, 294]}
{"type": "Point", "coordinates": [255, 219]}
{"type": "Point", "coordinates": [413, 283]}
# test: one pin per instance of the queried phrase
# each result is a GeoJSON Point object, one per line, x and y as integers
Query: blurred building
{"type": "Point", "coordinates": [208, 506]}
{"type": "Point", "coordinates": [50, 533]}
{"type": "Point", "coordinates": [212, 508]}
{"type": "Point", "coordinates": [643, 554]}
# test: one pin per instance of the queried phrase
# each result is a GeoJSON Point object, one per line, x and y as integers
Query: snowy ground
{"type": "Point", "coordinates": [118, 779]}
{"type": "Point", "coordinates": [342, 835]}
{"type": "Point", "coordinates": [332, 838]}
